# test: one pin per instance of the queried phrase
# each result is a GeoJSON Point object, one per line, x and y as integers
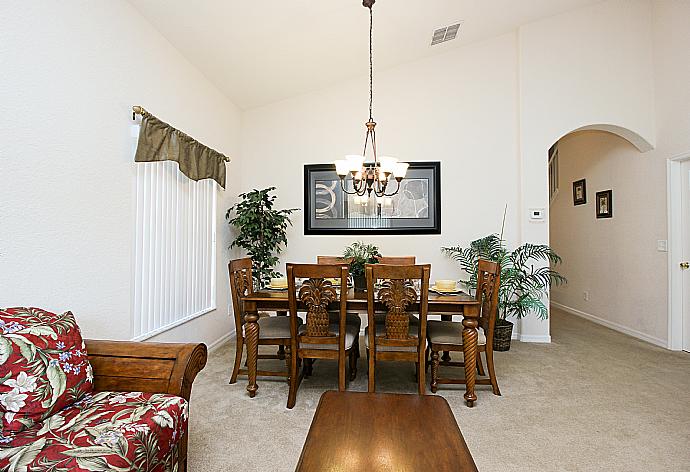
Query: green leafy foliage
{"type": "Point", "coordinates": [261, 231]}
{"type": "Point", "coordinates": [524, 277]}
{"type": "Point", "coordinates": [361, 254]}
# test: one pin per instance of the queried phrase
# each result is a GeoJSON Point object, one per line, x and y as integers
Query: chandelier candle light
{"type": "Point", "coordinates": [370, 177]}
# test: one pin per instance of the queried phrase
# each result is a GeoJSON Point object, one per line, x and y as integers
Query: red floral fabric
{"type": "Point", "coordinates": [104, 431]}
{"type": "Point", "coordinates": [43, 366]}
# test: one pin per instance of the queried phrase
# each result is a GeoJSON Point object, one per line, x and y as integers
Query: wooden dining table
{"type": "Point", "coordinates": [446, 305]}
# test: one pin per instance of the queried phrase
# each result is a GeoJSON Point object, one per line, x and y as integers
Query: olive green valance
{"type": "Point", "coordinates": [158, 141]}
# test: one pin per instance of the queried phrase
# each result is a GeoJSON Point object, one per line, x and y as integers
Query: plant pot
{"type": "Point", "coordinates": [360, 283]}
{"type": "Point", "coordinates": [503, 332]}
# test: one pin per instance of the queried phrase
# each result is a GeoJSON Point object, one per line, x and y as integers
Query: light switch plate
{"type": "Point", "coordinates": [662, 245]}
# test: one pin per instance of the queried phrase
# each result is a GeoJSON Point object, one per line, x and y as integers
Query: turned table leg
{"type": "Point", "coordinates": [251, 337]}
{"type": "Point", "coordinates": [469, 348]}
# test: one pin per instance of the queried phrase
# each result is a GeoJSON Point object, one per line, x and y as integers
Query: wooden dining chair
{"type": "Point", "coordinates": [396, 339]}
{"type": "Point", "coordinates": [319, 338]}
{"type": "Point", "coordinates": [397, 260]}
{"type": "Point", "coordinates": [273, 330]}
{"type": "Point", "coordinates": [447, 335]}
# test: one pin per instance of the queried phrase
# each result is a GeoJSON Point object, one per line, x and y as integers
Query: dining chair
{"type": "Point", "coordinates": [380, 316]}
{"type": "Point", "coordinates": [397, 260]}
{"type": "Point", "coordinates": [273, 330]}
{"type": "Point", "coordinates": [447, 335]}
{"type": "Point", "coordinates": [319, 338]}
{"type": "Point", "coordinates": [397, 339]}
{"type": "Point", "coordinates": [352, 317]}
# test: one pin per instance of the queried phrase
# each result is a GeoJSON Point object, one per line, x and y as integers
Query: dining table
{"type": "Point", "coordinates": [445, 305]}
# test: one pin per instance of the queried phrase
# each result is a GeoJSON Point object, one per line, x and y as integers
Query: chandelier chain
{"type": "Point", "coordinates": [371, 63]}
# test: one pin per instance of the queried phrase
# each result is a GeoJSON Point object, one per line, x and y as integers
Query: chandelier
{"type": "Point", "coordinates": [366, 178]}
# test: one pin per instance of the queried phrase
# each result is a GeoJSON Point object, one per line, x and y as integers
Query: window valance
{"type": "Point", "coordinates": [158, 141]}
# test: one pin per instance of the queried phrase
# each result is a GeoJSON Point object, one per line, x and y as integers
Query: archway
{"type": "Point", "coordinates": [605, 224]}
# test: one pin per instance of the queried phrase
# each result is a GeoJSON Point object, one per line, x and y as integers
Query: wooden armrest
{"type": "Point", "coordinates": [129, 366]}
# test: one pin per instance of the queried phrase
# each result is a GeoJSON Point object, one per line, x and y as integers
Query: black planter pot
{"type": "Point", "coordinates": [360, 283]}
{"type": "Point", "coordinates": [503, 332]}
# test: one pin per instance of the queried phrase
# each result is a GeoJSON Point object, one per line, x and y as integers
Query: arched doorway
{"type": "Point", "coordinates": [609, 227]}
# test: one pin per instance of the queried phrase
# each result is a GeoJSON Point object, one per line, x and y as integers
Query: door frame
{"type": "Point", "coordinates": [675, 249]}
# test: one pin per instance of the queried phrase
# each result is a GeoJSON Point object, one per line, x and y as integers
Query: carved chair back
{"type": "Point", "coordinates": [488, 283]}
{"type": "Point", "coordinates": [241, 285]}
{"type": "Point", "coordinates": [314, 295]}
{"type": "Point", "coordinates": [397, 260]}
{"type": "Point", "coordinates": [398, 294]}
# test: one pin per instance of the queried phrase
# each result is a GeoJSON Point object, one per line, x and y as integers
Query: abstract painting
{"type": "Point", "coordinates": [414, 209]}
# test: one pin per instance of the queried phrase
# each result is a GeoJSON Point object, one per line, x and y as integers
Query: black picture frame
{"type": "Point", "coordinates": [604, 204]}
{"type": "Point", "coordinates": [425, 175]}
{"type": "Point", "coordinates": [580, 192]}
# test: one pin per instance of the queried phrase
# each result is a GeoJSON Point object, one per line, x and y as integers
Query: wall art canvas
{"type": "Point", "coordinates": [605, 204]}
{"type": "Point", "coordinates": [579, 192]}
{"type": "Point", "coordinates": [414, 209]}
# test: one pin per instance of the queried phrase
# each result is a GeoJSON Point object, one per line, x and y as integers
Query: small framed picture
{"type": "Point", "coordinates": [579, 192]}
{"type": "Point", "coordinates": [605, 204]}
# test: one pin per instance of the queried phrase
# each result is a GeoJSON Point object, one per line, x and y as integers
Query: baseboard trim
{"type": "Point", "coordinates": [612, 325]}
{"type": "Point", "coordinates": [220, 341]}
{"type": "Point", "coordinates": [535, 338]}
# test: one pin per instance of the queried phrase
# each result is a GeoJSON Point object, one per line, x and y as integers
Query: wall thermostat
{"type": "Point", "coordinates": [536, 213]}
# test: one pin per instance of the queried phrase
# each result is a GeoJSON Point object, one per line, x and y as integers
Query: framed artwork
{"type": "Point", "coordinates": [579, 192]}
{"type": "Point", "coordinates": [605, 204]}
{"type": "Point", "coordinates": [414, 209]}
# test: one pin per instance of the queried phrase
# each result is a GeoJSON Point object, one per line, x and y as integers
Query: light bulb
{"type": "Point", "coordinates": [387, 163]}
{"type": "Point", "coordinates": [400, 169]}
{"type": "Point", "coordinates": [355, 162]}
{"type": "Point", "coordinates": [342, 167]}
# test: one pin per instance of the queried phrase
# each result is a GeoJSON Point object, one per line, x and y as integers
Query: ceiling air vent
{"type": "Point", "coordinates": [441, 35]}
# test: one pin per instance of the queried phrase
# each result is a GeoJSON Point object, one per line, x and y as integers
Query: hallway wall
{"type": "Point", "coordinates": [614, 260]}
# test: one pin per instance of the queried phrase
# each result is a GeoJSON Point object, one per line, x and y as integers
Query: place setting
{"type": "Point", "coordinates": [445, 287]}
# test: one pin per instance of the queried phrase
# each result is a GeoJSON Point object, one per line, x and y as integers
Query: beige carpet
{"type": "Point", "coordinates": [594, 399]}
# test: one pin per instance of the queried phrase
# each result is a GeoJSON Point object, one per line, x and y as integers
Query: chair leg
{"type": "Point", "coordinates": [294, 379]}
{"type": "Point", "coordinates": [341, 372]}
{"type": "Point", "coordinates": [416, 371]}
{"type": "Point", "coordinates": [372, 367]}
{"type": "Point", "coordinates": [238, 359]}
{"type": "Point", "coordinates": [434, 371]}
{"type": "Point", "coordinates": [492, 372]}
{"type": "Point", "coordinates": [421, 379]}
{"type": "Point", "coordinates": [288, 354]}
{"type": "Point", "coordinates": [480, 364]}
{"type": "Point", "coordinates": [308, 367]}
{"type": "Point", "coordinates": [353, 365]}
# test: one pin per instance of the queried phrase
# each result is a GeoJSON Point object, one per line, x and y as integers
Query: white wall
{"type": "Point", "coordinates": [615, 260]}
{"type": "Point", "coordinates": [71, 72]}
{"type": "Point", "coordinates": [489, 110]}
{"type": "Point", "coordinates": [459, 108]}
{"type": "Point", "coordinates": [591, 66]}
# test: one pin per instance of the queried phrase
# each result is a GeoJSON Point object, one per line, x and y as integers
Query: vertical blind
{"type": "Point", "coordinates": [175, 248]}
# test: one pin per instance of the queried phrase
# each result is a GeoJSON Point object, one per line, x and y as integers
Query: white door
{"type": "Point", "coordinates": [685, 262]}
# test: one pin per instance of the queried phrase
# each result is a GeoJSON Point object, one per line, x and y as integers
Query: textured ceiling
{"type": "Point", "coordinates": [258, 52]}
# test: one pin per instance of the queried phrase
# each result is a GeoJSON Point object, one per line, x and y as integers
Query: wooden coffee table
{"type": "Point", "coordinates": [353, 431]}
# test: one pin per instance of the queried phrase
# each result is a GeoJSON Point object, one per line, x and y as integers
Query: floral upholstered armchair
{"type": "Point", "coordinates": [69, 404]}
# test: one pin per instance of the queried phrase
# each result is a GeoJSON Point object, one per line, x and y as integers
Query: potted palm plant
{"type": "Point", "coordinates": [360, 254]}
{"type": "Point", "coordinates": [261, 231]}
{"type": "Point", "coordinates": [524, 281]}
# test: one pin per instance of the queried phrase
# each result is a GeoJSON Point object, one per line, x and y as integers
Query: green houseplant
{"type": "Point", "coordinates": [360, 254]}
{"type": "Point", "coordinates": [261, 231]}
{"type": "Point", "coordinates": [524, 280]}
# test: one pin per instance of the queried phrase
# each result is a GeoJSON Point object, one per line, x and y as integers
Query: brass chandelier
{"type": "Point", "coordinates": [368, 178]}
